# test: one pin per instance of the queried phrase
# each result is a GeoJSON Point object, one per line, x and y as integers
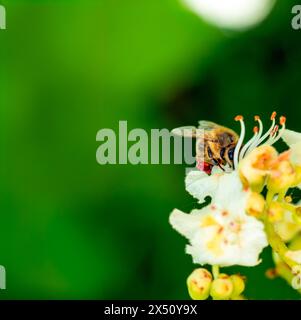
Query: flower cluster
{"type": "Point", "coordinates": [250, 208]}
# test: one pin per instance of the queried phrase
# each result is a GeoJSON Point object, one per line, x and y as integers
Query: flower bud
{"type": "Point", "coordinates": [199, 283]}
{"type": "Point", "coordinates": [287, 228]}
{"type": "Point", "coordinates": [297, 181]}
{"type": "Point", "coordinates": [282, 176]}
{"type": "Point", "coordinates": [238, 285]}
{"type": "Point", "coordinates": [255, 205]}
{"type": "Point", "coordinates": [272, 272]}
{"type": "Point", "coordinates": [296, 281]}
{"type": "Point", "coordinates": [254, 168]}
{"type": "Point", "coordinates": [275, 212]}
{"type": "Point", "coordinates": [222, 287]}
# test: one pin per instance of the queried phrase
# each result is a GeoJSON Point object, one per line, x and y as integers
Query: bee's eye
{"type": "Point", "coordinates": [231, 153]}
{"type": "Point", "coordinates": [209, 152]}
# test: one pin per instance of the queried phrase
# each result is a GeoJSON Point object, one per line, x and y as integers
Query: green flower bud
{"type": "Point", "coordinates": [222, 287]}
{"type": "Point", "coordinates": [275, 212]}
{"type": "Point", "coordinates": [255, 205]}
{"type": "Point", "coordinates": [254, 168]}
{"type": "Point", "coordinates": [199, 283]}
{"type": "Point", "coordinates": [238, 284]}
{"type": "Point", "coordinates": [282, 176]}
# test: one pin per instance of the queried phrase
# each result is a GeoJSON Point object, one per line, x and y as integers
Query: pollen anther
{"type": "Point", "coordinates": [238, 118]}
{"type": "Point", "coordinates": [273, 116]}
{"type": "Point", "coordinates": [269, 138]}
{"type": "Point", "coordinates": [282, 120]}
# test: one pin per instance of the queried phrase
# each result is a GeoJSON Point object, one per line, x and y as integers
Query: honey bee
{"type": "Point", "coordinates": [215, 144]}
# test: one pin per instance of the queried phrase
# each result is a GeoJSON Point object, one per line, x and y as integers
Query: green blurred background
{"type": "Point", "coordinates": [71, 228]}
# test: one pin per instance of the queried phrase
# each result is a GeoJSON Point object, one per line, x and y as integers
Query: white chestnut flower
{"type": "Point", "coordinates": [232, 14]}
{"type": "Point", "coordinates": [219, 236]}
{"type": "Point", "coordinates": [247, 163]}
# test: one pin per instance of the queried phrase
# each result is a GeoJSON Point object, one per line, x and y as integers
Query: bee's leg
{"type": "Point", "coordinates": [218, 164]}
{"type": "Point", "coordinates": [221, 167]}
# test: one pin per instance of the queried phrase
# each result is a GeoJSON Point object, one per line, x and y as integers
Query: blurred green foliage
{"type": "Point", "coordinates": [74, 229]}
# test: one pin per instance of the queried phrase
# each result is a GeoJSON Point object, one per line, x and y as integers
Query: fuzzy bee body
{"type": "Point", "coordinates": [215, 144]}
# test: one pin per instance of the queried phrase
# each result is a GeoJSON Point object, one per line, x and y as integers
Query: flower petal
{"type": "Point", "coordinates": [291, 137]}
{"type": "Point", "coordinates": [220, 237]}
{"type": "Point", "coordinates": [293, 140]}
{"type": "Point", "coordinates": [219, 186]}
{"type": "Point", "coordinates": [230, 193]}
{"type": "Point", "coordinates": [200, 185]}
{"type": "Point", "coordinates": [185, 224]}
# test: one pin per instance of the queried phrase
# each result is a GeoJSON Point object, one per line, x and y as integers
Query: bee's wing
{"type": "Point", "coordinates": [207, 125]}
{"type": "Point", "coordinates": [187, 132]}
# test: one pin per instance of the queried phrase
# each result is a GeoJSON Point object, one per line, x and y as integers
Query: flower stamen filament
{"type": "Point", "coordinates": [249, 143]}
{"type": "Point", "coordinates": [267, 134]}
{"type": "Point", "coordinates": [240, 140]}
